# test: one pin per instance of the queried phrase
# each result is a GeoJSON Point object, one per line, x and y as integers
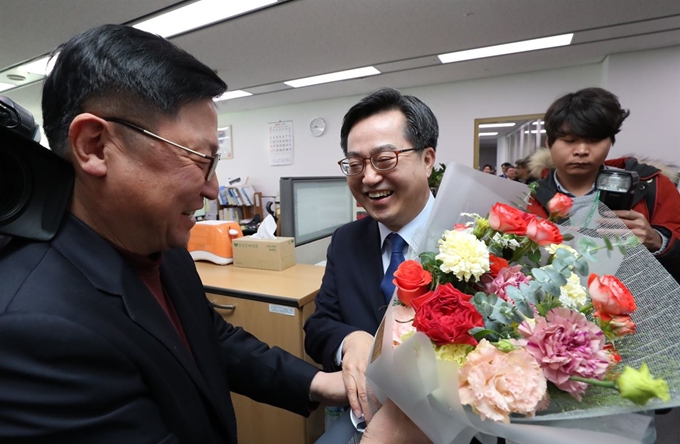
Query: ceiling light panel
{"type": "Point", "coordinates": [333, 77]}
{"type": "Point", "coordinates": [507, 48]}
{"type": "Point", "coordinates": [233, 95]}
{"type": "Point", "coordinates": [6, 86]}
{"type": "Point", "coordinates": [198, 14]}
{"type": "Point", "coordinates": [488, 134]}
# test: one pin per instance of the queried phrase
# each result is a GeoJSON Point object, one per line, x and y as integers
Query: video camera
{"type": "Point", "coordinates": [35, 183]}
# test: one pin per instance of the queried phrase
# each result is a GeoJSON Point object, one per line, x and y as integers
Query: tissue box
{"type": "Point", "coordinates": [267, 254]}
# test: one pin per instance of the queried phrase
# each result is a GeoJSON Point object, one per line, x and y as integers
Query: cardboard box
{"type": "Point", "coordinates": [267, 254]}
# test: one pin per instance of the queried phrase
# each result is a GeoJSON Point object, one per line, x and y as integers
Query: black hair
{"type": "Point", "coordinates": [487, 165]}
{"type": "Point", "coordinates": [521, 163]}
{"type": "Point", "coordinates": [123, 69]}
{"type": "Point", "coordinates": [591, 113]}
{"type": "Point", "coordinates": [506, 164]}
{"type": "Point", "coordinates": [421, 129]}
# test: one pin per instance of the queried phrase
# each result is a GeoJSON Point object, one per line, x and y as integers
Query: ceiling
{"type": "Point", "coordinates": [401, 38]}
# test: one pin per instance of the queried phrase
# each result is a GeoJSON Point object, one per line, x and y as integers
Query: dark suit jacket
{"type": "Point", "coordinates": [87, 355]}
{"type": "Point", "coordinates": [350, 298]}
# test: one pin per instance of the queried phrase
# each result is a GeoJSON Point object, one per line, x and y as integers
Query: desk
{"type": "Point", "coordinates": [272, 305]}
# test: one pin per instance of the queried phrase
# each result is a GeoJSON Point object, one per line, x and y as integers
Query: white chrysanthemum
{"type": "Point", "coordinates": [505, 241]}
{"type": "Point", "coordinates": [572, 295]}
{"type": "Point", "coordinates": [463, 255]}
{"type": "Point", "coordinates": [552, 248]}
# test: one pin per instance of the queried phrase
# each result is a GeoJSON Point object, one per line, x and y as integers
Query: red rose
{"type": "Point", "coordinates": [411, 281]}
{"type": "Point", "coordinates": [622, 325]}
{"type": "Point", "coordinates": [560, 205]}
{"type": "Point", "coordinates": [509, 220]}
{"type": "Point", "coordinates": [610, 297]}
{"type": "Point", "coordinates": [446, 316]}
{"type": "Point", "coordinates": [497, 264]}
{"type": "Point", "coordinates": [543, 232]}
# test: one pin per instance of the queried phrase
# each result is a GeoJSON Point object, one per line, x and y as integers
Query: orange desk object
{"type": "Point", "coordinates": [210, 240]}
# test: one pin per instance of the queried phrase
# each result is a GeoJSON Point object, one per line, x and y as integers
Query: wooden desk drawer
{"type": "Point", "coordinates": [277, 326]}
{"type": "Point", "coordinates": [265, 321]}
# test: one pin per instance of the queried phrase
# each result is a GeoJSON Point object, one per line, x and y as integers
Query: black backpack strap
{"type": "Point", "coordinates": [646, 188]}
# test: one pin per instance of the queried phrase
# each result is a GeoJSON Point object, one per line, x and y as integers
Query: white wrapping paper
{"type": "Point", "coordinates": [427, 389]}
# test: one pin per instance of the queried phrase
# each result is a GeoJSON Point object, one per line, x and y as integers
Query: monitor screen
{"type": "Point", "coordinates": [313, 207]}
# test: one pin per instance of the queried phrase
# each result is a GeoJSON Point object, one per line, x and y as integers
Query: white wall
{"type": "Point", "coordinates": [647, 82]}
{"type": "Point", "coordinates": [314, 156]}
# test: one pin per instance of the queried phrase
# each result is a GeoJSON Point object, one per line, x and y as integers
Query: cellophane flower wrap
{"type": "Point", "coordinates": [506, 324]}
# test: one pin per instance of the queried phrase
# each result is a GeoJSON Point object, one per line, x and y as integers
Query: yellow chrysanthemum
{"type": "Point", "coordinates": [453, 352]}
{"type": "Point", "coordinates": [572, 294]}
{"type": "Point", "coordinates": [552, 248]}
{"type": "Point", "coordinates": [463, 255]}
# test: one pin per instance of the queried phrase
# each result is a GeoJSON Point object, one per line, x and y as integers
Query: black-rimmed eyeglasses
{"type": "Point", "coordinates": [212, 165]}
{"type": "Point", "coordinates": [381, 161]}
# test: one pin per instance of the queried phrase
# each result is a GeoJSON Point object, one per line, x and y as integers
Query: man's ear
{"type": "Point", "coordinates": [87, 136]}
{"type": "Point", "coordinates": [429, 157]}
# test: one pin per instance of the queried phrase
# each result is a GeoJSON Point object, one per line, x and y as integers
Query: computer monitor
{"type": "Point", "coordinates": [313, 207]}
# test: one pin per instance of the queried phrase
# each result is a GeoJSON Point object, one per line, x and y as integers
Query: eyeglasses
{"type": "Point", "coordinates": [381, 161]}
{"type": "Point", "coordinates": [212, 159]}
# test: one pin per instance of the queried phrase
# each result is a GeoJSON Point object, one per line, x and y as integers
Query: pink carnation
{"type": "Point", "coordinates": [565, 344]}
{"type": "Point", "coordinates": [511, 276]}
{"type": "Point", "coordinates": [496, 384]}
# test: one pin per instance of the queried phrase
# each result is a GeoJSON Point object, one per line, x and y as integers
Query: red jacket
{"type": "Point", "coordinates": [665, 215]}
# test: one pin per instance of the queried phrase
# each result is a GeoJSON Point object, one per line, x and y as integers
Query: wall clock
{"type": "Point", "coordinates": [317, 126]}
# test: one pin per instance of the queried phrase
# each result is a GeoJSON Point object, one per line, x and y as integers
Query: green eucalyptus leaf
{"type": "Point", "coordinates": [502, 311]}
{"type": "Point", "coordinates": [482, 304]}
{"type": "Point", "coordinates": [565, 255]}
{"type": "Point", "coordinates": [514, 293]}
{"type": "Point", "coordinates": [581, 266]}
{"type": "Point", "coordinates": [632, 241]}
{"type": "Point", "coordinates": [530, 292]}
{"type": "Point", "coordinates": [539, 275]}
{"type": "Point", "coordinates": [526, 309]}
{"type": "Point", "coordinates": [556, 277]}
{"type": "Point", "coordinates": [586, 243]}
{"type": "Point", "coordinates": [588, 254]}
{"type": "Point", "coordinates": [490, 324]}
{"type": "Point", "coordinates": [551, 288]}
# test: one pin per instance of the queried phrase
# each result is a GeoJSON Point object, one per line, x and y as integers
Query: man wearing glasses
{"type": "Point", "coordinates": [389, 141]}
{"type": "Point", "coordinates": [106, 335]}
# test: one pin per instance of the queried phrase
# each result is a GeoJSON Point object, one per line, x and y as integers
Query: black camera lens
{"type": "Point", "coordinates": [15, 186]}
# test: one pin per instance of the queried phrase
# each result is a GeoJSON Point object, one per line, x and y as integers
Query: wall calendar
{"type": "Point", "coordinates": [281, 143]}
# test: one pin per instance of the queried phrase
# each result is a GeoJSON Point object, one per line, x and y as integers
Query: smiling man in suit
{"type": "Point", "coordinates": [106, 335]}
{"type": "Point", "coordinates": [389, 141]}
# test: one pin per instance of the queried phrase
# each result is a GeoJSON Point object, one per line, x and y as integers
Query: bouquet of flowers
{"type": "Point", "coordinates": [512, 323]}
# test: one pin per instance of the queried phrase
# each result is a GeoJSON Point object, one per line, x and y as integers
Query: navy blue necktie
{"type": "Point", "coordinates": [396, 258]}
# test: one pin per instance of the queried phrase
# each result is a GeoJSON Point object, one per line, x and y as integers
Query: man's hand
{"type": "Point", "coordinates": [391, 426]}
{"type": "Point", "coordinates": [328, 389]}
{"type": "Point", "coordinates": [640, 227]}
{"type": "Point", "coordinates": [355, 351]}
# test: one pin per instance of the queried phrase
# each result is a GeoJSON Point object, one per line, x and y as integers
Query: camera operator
{"type": "Point", "coordinates": [581, 129]}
